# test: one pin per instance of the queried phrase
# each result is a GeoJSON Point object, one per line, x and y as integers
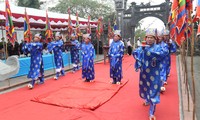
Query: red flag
{"type": "Point", "coordinates": [189, 5]}
{"type": "Point", "coordinates": [78, 32]}
{"type": "Point", "coordinates": [197, 15]}
{"type": "Point", "coordinates": [172, 29]}
{"type": "Point", "coordinates": [181, 18]}
{"type": "Point", "coordinates": [180, 37]}
{"type": "Point", "coordinates": [99, 27]}
{"type": "Point", "coordinates": [173, 18]}
{"type": "Point", "coordinates": [198, 9]}
{"type": "Point", "coordinates": [181, 23]}
{"type": "Point", "coordinates": [88, 26]}
{"type": "Point", "coordinates": [110, 32]}
{"type": "Point", "coordinates": [48, 33]}
{"type": "Point", "coordinates": [174, 11]}
{"type": "Point", "coordinates": [27, 29]}
{"type": "Point", "coordinates": [70, 28]}
{"type": "Point", "coordinates": [198, 32]}
{"type": "Point", "coordinates": [9, 24]}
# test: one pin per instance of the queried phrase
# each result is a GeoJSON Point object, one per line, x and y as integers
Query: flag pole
{"type": "Point", "coordinates": [192, 72]}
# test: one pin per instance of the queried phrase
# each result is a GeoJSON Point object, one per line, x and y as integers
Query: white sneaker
{"type": "Point", "coordinates": [55, 78]}
{"type": "Point", "coordinates": [163, 89]}
{"type": "Point", "coordinates": [30, 86]}
{"type": "Point", "coordinates": [152, 118]}
{"type": "Point", "coordinates": [165, 83]}
{"type": "Point", "coordinates": [118, 83]}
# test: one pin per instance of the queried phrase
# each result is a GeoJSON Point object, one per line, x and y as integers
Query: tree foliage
{"type": "Point", "coordinates": [84, 8]}
{"type": "Point", "coordinates": [140, 33]}
{"type": "Point", "coordinates": [30, 3]}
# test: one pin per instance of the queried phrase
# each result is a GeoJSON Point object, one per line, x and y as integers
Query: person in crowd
{"type": "Point", "coordinates": [36, 67]}
{"type": "Point", "coordinates": [115, 54]}
{"type": "Point", "coordinates": [57, 46]}
{"type": "Point", "coordinates": [129, 47]}
{"type": "Point", "coordinates": [74, 50]}
{"type": "Point", "coordinates": [172, 49]}
{"type": "Point", "coordinates": [148, 60]}
{"type": "Point", "coordinates": [87, 48]}
{"type": "Point", "coordinates": [138, 42]}
{"type": "Point", "coordinates": [163, 66]}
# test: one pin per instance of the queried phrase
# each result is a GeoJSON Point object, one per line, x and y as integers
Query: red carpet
{"type": "Point", "coordinates": [125, 105]}
{"type": "Point", "coordinates": [81, 95]}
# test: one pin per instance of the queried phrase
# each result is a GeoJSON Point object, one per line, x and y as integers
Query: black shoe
{"type": "Point", "coordinates": [114, 82]}
{"type": "Point", "coordinates": [87, 80]}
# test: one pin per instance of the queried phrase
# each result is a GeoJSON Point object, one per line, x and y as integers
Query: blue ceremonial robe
{"type": "Point", "coordinates": [116, 53]}
{"type": "Point", "coordinates": [36, 66]}
{"type": "Point", "coordinates": [74, 50]}
{"type": "Point", "coordinates": [149, 61]}
{"type": "Point", "coordinates": [57, 47]}
{"type": "Point", "coordinates": [163, 71]}
{"type": "Point", "coordinates": [88, 61]}
{"type": "Point", "coordinates": [172, 49]}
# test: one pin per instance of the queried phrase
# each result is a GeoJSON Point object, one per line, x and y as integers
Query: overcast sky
{"type": "Point", "coordinates": [147, 22]}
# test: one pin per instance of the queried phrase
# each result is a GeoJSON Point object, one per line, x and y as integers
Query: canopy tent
{"type": "Point", "coordinates": [37, 18]}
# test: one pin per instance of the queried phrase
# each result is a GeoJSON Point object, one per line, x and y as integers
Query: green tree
{"type": "Point", "coordinates": [84, 8]}
{"type": "Point", "coordinates": [30, 3]}
{"type": "Point", "coordinates": [140, 33]}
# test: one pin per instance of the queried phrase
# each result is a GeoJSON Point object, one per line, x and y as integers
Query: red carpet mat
{"type": "Point", "coordinates": [125, 105]}
{"type": "Point", "coordinates": [81, 95]}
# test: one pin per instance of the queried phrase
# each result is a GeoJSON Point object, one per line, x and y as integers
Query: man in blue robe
{"type": "Point", "coordinates": [172, 49]}
{"type": "Point", "coordinates": [163, 65]}
{"type": "Point", "coordinates": [57, 46]}
{"type": "Point", "coordinates": [36, 67]}
{"type": "Point", "coordinates": [87, 59]}
{"type": "Point", "coordinates": [116, 53]}
{"type": "Point", "coordinates": [148, 59]}
{"type": "Point", "coordinates": [74, 50]}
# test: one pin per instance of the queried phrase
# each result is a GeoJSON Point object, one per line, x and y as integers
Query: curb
{"type": "Point", "coordinates": [181, 112]}
{"type": "Point", "coordinates": [46, 76]}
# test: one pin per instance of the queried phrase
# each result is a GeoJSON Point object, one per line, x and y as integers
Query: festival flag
{"type": "Point", "coordinates": [172, 29]}
{"type": "Point", "coordinates": [198, 31]}
{"type": "Point", "coordinates": [78, 32]}
{"type": "Point", "coordinates": [170, 17]}
{"type": "Point", "coordinates": [115, 25]}
{"type": "Point", "coordinates": [197, 15]}
{"type": "Point", "coordinates": [9, 24]}
{"type": "Point", "coordinates": [181, 23]}
{"type": "Point", "coordinates": [198, 9]}
{"type": "Point", "coordinates": [181, 18]}
{"type": "Point", "coordinates": [174, 11]}
{"type": "Point", "coordinates": [189, 5]}
{"type": "Point", "coordinates": [27, 30]}
{"type": "Point", "coordinates": [70, 28]}
{"type": "Point", "coordinates": [48, 33]}
{"type": "Point", "coordinates": [99, 28]}
{"type": "Point", "coordinates": [173, 17]}
{"type": "Point", "coordinates": [110, 32]}
{"type": "Point", "coordinates": [88, 26]}
{"type": "Point", "coordinates": [189, 8]}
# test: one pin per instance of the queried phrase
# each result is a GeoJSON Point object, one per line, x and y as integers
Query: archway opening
{"type": "Point", "coordinates": [145, 23]}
